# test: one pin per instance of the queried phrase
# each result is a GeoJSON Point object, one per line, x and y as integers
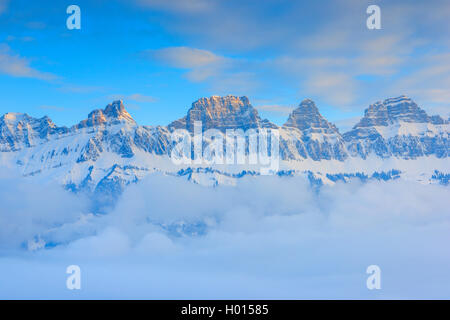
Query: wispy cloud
{"type": "Point", "coordinates": [339, 88]}
{"type": "Point", "coordinates": [222, 74]}
{"type": "Point", "coordinates": [278, 109]}
{"type": "Point", "coordinates": [185, 57]}
{"type": "Point", "coordinates": [24, 38]}
{"type": "Point", "coordinates": [136, 97]}
{"type": "Point", "coordinates": [429, 83]}
{"type": "Point", "coordinates": [3, 5]}
{"type": "Point", "coordinates": [141, 98]}
{"type": "Point", "coordinates": [199, 64]}
{"type": "Point", "coordinates": [74, 88]}
{"type": "Point", "coordinates": [13, 65]}
{"type": "Point", "coordinates": [332, 59]}
{"type": "Point", "coordinates": [39, 25]}
{"type": "Point", "coordinates": [53, 108]}
{"type": "Point", "coordinates": [182, 6]}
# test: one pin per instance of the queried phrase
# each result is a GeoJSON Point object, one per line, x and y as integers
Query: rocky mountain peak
{"type": "Point", "coordinates": [307, 116]}
{"type": "Point", "coordinates": [20, 121]}
{"type": "Point", "coordinates": [14, 118]}
{"type": "Point", "coordinates": [229, 112]}
{"type": "Point", "coordinates": [222, 105]}
{"type": "Point", "coordinates": [116, 110]}
{"type": "Point", "coordinates": [389, 111]}
{"type": "Point", "coordinates": [113, 113]}
{"type": "Point", "coordinates": [19, 129]}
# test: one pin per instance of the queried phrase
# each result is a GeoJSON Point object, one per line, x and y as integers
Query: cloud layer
{"type": "Point", "coordinates": [268, 237]}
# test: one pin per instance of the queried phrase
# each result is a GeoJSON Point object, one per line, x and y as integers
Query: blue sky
{"type": "Point", "coordinates": [159, 56]}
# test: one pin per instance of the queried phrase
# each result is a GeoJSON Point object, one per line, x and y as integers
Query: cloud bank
{"type": "Point", "coordinates": [268, 237]}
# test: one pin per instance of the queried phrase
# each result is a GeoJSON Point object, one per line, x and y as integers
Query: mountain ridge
{"type": "Point", "coordinates": [109, 149]}
{"type": "Point", "coordinates": [116, 112]}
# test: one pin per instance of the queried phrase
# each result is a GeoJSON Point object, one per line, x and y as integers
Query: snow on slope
{"type": "Point", "coordinates": [109, 149]}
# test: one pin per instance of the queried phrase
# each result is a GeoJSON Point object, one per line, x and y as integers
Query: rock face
{"type": "Point", "coordinates": [394, 110]}
{"type": "Point", "coordinates": [114, 130]}
{"type": "Point", "coordinates": [308, 119]}
{"type": "Point", "coordinates": [114, 113]}
{"type": "Point", "coordinates": [19, 130]}
{"type": "Point", "coordinates": [109, 149]}
{"type": "Point", "coordinates": [222, 113]}
{"type": "Point", "coordinates": [307, 134]}
{"type": "Point", "coordinates": [398, 127]}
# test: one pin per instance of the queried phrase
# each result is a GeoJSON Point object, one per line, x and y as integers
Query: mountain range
{"type": "Point", "coordinates": [108, 150]}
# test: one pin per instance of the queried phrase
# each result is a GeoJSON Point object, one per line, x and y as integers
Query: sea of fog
{"type": "Point", "coordinates": [266, 238]}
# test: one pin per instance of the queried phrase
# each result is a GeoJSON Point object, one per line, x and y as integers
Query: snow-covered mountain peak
{"type": "Point", "coordinates": [398, 127]}
{"type": "Point", "coordinates": [113, 113]}
{"type": "Point", "coordinates": [394, 110]}
{"type": "Point", "coordinates": [19, 130]}
{"type": "Point", "coordinates": [307, 134]}
{"type": "Point", "coordinates": [13, 117]}
{"type": "Point", "coordinates": [308, 117]}
{"type": "Point", "coordinates": [109, 150]}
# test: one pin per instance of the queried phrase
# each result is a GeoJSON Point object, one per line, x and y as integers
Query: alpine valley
{"type": "Point", "coordinates": [395, 139]}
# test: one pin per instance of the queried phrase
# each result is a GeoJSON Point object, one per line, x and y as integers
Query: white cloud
{"type": "Point", "coordinates": [277, 238]}
{"type": "Point", "coordinates": [337, 61]}
{"type": "Point", "coordinates": [279, 109]}
{"type": "Point", "coordinates": [30, 208]}
{"type": "Point", "coordinates": [16, 66]}
{"type": "Point", "coordinates": [181, 6]}
{"type": "Point", "coordinates": [429, 83]}
{"type": "Point", "coordinates": [338, 88]}
{"type": "Point", "coordinates": [338, 45]}
{"type": "Point", "coordinates": [331, 69]}
{"type": "Point", "coordinates": [185, 57]}
{"type": "Point", "coordinates": [222, 74]}
{"type": "Point", "coordinates": [74, 88]}
{"type": "Point", "coordinates": [201, 64]}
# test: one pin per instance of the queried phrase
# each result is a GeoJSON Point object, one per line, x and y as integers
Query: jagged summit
{"type": "Point", "coordinates": [392, 110]}
{"type": "Point", "coordinates": [229, 112]}
{"type": "Point", "coordinates": [13, 117]}
{"type": "Point", "coordinates": [114, 151]}
{"type": "Point", "coordinates": [113, 113]}
{"type": "Point", "coordinates": [21, 120]}
{"type": "Point", "coordinates": [14, 121]}
{"type": "Point", "coordinates": [307, 134]}
{"type": "Point", "coordinates": [398, 127]}
{"type": "Point", "coordinates": [19, 129]}
{"type": "Point", "coordinates": [395, 127]}
{"type": "Point", "coordinates": [307, 116]}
